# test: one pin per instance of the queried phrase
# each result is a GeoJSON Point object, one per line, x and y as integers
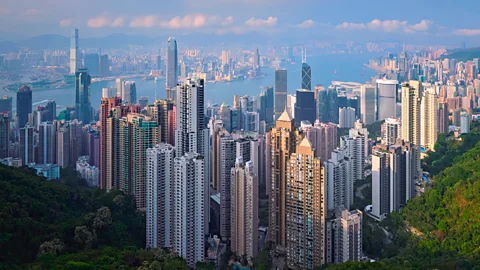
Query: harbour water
{"type": "Point", "coordinates": [325, 68]}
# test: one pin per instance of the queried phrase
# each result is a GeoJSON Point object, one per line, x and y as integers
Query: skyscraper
{"type": "Point", "coordinates": [119, 83]}
{"type": "Point", "coordinates": [171, 68]}
{"type": "Point", "coordinates": [339, 179]}
{"type": "Point", "coordinates": [411, 93]}
{"type": "Point", "coordinates": [27, 147]}
{"type": "Point", "coordinates": [306, 76]}
{"type": "Point", "coordinates": [305, 106]}
{"type": "Point", "coordinates": [83, 107]}
{"type": "Point", "coordinates": [280, 91]}
{"type": "Point", "coordinates": [191, 133]}
{"type": "Point", "coordinates": [429, 119]}
{"type": "Point", "coordinates": [443, 117]}
{"type": "Point", "coordinates": [6, 106]}
{"type": "Point", "coordinates": [346, 117]}
{"type": "Point", "coordinates": [47, 144]}
{"type": "Point", "coordinates": [355, 145]}
{"type": "Point", "coordinates": [225, 58]}
{"type": "Point", "coordinates": [344, 236]}
{"type": "Point", "coordinates": [24, 106]}
{"type": "Point", "coordinates": [160, 195]}
{"type": "Point", "coordinates": [367, 104]}
{"type": "Point", "coordinates": [63, 146]}
{"type": "Point", "coordinates": [266, 106]}
{"type": "Point", "coordinates": [327, 105]}
{"type": "Point", "coordinates": [391, 131]}
{"type": "Point", "coordinates": [129, 94]}
{"type": "Point", "coordinates": [111, 111]}
{"type": "Point", "coordinates": [256, 60]}
{"type": "Point", "coordinates": [218, 132]}
{"type": "Point", "coordinates": [4, 135]}
{"type": "Point", "coordinates": [244, 209]}
{"type": "Point", "coordinates": [464, 122]}
{"type": "Point", "coordinates": [137, 134]}
{"type": "Point", "coordinates": [392, 178]}
{"type": "Point", "coordinates": [227, 162]}
{"type": "Point", "coordinates": [386, 94]}
{"type": "Point", "coordinates": [282, 143]}
{"type": "Point", "coordinates": [305, 209]}
{"type": "Point", "coordinates": [75, 61]}
{"type": "Point", "coordinates": [188, 206]}
{"type": "Point", "coordinates": [323, 138]}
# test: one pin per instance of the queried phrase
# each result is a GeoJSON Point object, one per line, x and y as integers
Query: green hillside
{"type": "Point", "coordinates": [441, 228]}
{"type": "Point", "coordinates": [463, 55]}
{"type": "Point", "coordinates": [66, 225]}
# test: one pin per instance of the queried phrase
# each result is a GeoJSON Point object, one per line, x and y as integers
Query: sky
{"type": "Point", "coordinates": [424, 20]}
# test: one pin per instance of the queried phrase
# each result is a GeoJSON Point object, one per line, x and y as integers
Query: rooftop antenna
{"type": "Point", "coordinates": [304, 54]}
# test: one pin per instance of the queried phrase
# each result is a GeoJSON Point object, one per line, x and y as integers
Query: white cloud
{"type": "Point", "coordinates": [259, 23]}
{"type": "Point", "coordinates": [119, 22]}
{"type": "Point", "coordinates": [467, 32]}
{"type": "Point", "coordinates": [189, 21]}
{"type": "Point", "coordinates": [424, 25]}
{"type": "Point", "coordinates": [306, 24]}
{"type": "Point", "coordinates": [144, 21]}
{"type": "Point", "coordinates": [388, 26]}
{"type": "Point", "coordinates": [347, 25]}
{"type": "Point", "coordinates": [66, 23]}
{"type": "Point", "coordinates": [105, 21]}
{"type": "Point", "coordinates": [31, 12]}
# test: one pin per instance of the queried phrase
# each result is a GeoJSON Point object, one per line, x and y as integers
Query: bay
{"type": "Point", "coordinates": [325, 68]}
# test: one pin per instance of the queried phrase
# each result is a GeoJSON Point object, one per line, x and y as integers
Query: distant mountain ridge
{"type": "Point", "coordinates": [463, 55]}
{"type": "Point", "coordinates": [59, 42]}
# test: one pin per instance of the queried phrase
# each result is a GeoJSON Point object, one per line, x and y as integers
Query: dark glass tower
{"type": "Point", "coordinates": [83, 107]}
{"type": "Point", "coordinates": [24, 105]}
{"type": "Point", "coordinates": [305, 106]}
{"type": "Point", "coordinates": [327, 106]}
{"type": "Point", "coordinates": [306, 76]}
{"type": "Point", "coordinates": [171, 68]}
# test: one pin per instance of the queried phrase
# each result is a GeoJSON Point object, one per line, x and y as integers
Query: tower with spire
{"type": "Point", "coordinates": [306, 72]}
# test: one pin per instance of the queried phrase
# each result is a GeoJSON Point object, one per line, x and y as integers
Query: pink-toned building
{"type": "Point", "coordinates": [323, 138]}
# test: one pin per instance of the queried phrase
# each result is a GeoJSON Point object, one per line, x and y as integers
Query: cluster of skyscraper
{"type": "Point", "coordinates": [199, 170]}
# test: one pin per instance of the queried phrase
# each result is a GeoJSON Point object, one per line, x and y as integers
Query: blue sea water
{"type": "Point", "coordinates": [325, 68]}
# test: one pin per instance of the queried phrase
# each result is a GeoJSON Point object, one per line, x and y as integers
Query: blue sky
{"type": "Point", "coordinates": [407, 19]}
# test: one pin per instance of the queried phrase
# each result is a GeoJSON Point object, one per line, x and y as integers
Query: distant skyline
{"type": "Point", "coordinates": [426, 20]}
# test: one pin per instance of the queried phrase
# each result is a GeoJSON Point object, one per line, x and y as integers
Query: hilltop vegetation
{"type": "Point", "coordinates": [441, 228]}
{"type": "Point", "coordinates": [66, 225]}
{"type": "Point", "coordinates": [463, 55]}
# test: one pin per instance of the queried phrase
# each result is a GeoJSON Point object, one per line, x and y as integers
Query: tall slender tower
{"type": "Point", "coordinates": [226, 162]}
{"type": "Point", "coordinates": [191, 133]}
{"type": "Point", "coordinates": [244, 207]}
{"type": "Point", "coordinates": [411, 93]}
{"type": "Point", "coordinates": [306, 72]}
{"type": "Point", "coordinates": [280, 91]}
{"type": "Point", "coordinates": [367, 104]}
{"type": "Point", "coordinates": [4, 135]}
{"type": "Point", "coordinates": [160, 177]}
{"type": "Point", "coordinates": [24, 105]}
{"type": "Point", "coordinates": [282, 143]}
{"type": "Point", "coordinates": [83, 107]}
{"type": "Point", "coordinates": [429, 115]}
{"type": "Point", "coordinates": [305, 209]}
{"type": "Point", "coordinates": [172, 66]}
{"type": "Point", "coordinates": [75, 62]}
{"type": "Point", "coordinates": [188, 207]}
